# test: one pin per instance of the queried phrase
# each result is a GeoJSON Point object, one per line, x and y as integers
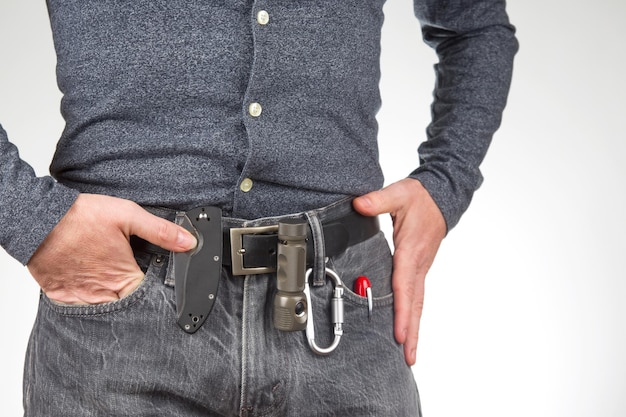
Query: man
{"type": "Point", "coordinates": [265, 111]}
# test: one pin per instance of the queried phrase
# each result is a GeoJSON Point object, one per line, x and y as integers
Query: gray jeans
{"type": "Point", "coordinates": [130, 358]}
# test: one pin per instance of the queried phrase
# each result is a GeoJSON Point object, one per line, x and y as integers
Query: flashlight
{"type": "Point", "coordinates": [290, 306]}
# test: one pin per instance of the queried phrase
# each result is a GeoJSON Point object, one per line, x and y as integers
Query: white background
{"type": "Point", "coordinates": [524, 312]}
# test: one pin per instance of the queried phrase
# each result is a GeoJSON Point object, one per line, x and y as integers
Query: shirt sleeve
{"type": "Point", "coordinates": [475, 45]}
{"type": "Point", "coordinates": [30, 206]}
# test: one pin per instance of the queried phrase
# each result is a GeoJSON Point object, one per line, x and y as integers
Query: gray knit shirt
{"type": "Point", "coordinates": [259, 107]}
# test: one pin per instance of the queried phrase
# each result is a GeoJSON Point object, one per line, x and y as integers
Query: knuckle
{"type": "Point", "coordinates": [164, 232]}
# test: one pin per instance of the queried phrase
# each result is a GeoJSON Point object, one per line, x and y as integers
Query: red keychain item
{"type": "Point", "coordinates": [363, 287]}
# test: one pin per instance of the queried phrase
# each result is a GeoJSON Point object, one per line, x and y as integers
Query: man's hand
{"type": "Point", "coordinates": [87, 258]}
{"type": "Point", "coordinates": [418, 229]}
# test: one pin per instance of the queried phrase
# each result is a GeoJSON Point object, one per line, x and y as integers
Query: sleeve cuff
{"type": "Point", "coordinates": [451, 200]}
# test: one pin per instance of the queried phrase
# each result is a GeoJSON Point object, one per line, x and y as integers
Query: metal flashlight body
{"type": "Point", "coordinates": [290, 305]}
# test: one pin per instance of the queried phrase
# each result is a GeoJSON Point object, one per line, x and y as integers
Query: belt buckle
{"type": "Point", "coordinates": [237, 251]}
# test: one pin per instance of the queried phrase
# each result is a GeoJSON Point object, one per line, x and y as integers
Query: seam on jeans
{"type": "Point", "coordinates": [99, 309]}
{"type": "Point", "coordinates": [357, 300]}
{"type": "Point", "coordinates": [244, 345]}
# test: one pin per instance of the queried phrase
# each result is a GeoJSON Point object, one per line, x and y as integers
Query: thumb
{"type": "Point", "coordinates": [161, 232]}
{"type": "Point", "coordinates": [372, 204]}
{"type": "Point", "coordinates": [391, 199]}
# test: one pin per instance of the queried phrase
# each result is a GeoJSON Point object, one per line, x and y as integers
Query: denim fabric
{"type": "Point", "coordinates": [130, 358]}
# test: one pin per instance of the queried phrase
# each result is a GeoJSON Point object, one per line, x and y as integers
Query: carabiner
{"type": "Point", "coordinates": [336, 311]}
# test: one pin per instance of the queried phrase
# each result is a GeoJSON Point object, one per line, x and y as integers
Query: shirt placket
{"type": "Point", "coordinates": [254, 108]}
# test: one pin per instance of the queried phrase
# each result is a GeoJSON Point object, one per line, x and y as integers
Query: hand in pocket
{"type": "Point", "coordinates": [87, 258]}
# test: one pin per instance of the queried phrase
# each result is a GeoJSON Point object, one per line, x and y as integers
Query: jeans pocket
{"type": "Point", "coordinates": [372, 259]}
{"type": "Point", "coordinates": [96, 309]}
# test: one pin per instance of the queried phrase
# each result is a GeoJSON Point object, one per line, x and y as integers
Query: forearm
{"type": "Point", "coordinates": [30, 206]}
{"type": "Point", "coordinates": [475, 44]}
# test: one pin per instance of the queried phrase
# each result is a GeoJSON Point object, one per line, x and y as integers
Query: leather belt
{"type": "Point", "coordinates": [252, 250]}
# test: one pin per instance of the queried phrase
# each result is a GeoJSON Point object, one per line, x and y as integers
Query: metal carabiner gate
{"type": "Point", "coordinates": [336, 313]}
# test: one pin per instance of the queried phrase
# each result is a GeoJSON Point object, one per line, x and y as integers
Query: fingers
{"type": "Point", "coordinates": [408, 306]}
{"type": "Point", "coordinates": [419, 228]}
{"type": "Point", "coordinates": [159, 231]}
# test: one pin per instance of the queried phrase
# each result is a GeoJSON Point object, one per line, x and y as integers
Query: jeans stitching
{"type": "Point", "coordinates": [94, 310]}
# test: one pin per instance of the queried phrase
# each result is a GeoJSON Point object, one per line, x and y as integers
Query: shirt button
{"type": "Point", "coordinates": [262, 17]}
{"type": "Point", "coordinates": [246, 185]}
{"type": "Point", "coordinates": [255, 109]}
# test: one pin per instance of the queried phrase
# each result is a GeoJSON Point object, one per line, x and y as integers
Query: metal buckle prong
{"type": "Point", "coordinates": [237, 250]}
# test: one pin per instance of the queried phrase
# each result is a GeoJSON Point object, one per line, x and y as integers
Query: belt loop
{"type": "Point", "coordinates": [319, 262]}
